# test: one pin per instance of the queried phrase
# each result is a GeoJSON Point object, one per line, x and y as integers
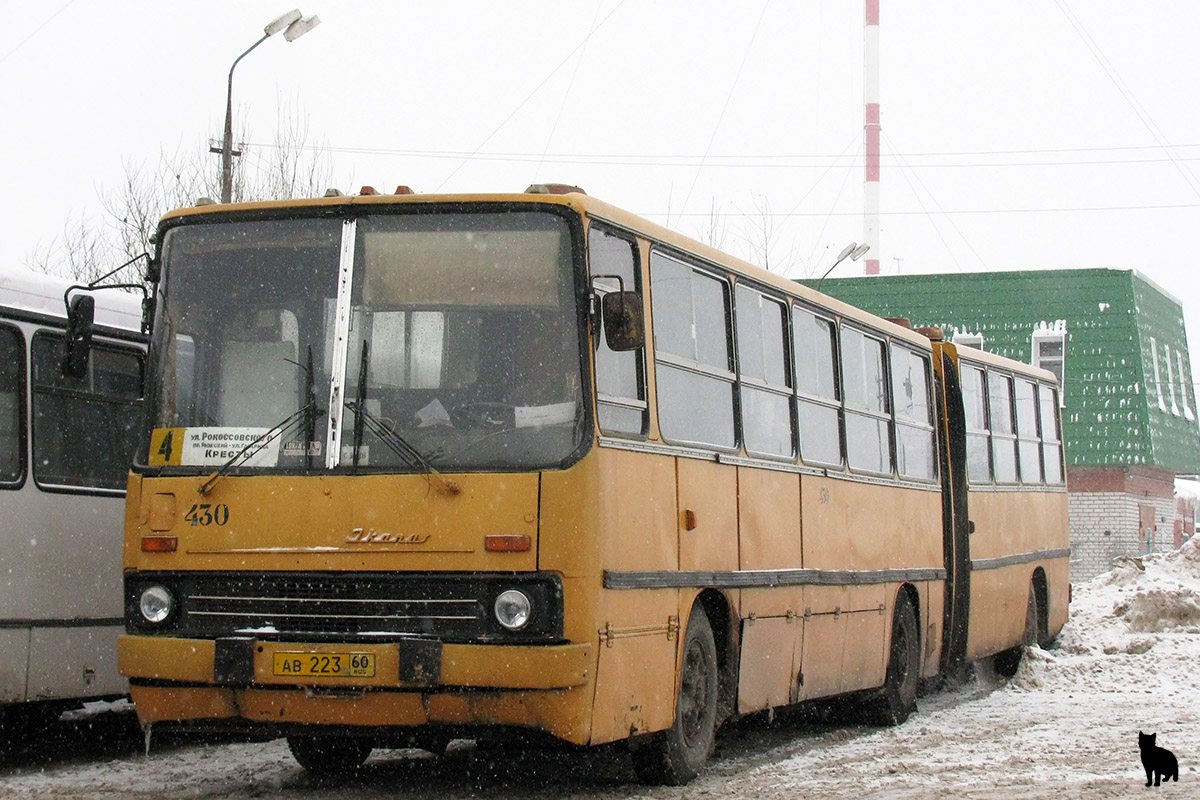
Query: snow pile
{"type": "Point", "coordinates": [1123, 610]}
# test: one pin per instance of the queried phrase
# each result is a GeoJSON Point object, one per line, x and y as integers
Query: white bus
{"type": "Point", "coordinates": [65, 448]}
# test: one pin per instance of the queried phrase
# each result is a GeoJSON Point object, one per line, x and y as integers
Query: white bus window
{"type": "Point", "coordinates": [1028, 447]}
{"type": "Point", "coordinates": [868, 445]}
{"type": "Point", "coordinates": [762, 365]}
{"type": "Point", "coordinates": [12, 396]}
{"type": "Point", "coordinates": [620, 376]}
{"type": "Point", "coordinates": [84, 429]}
{"type": "Point", "coordinates": [691, 335]}
{"type": "Point", "coordinates": [914, 414]}
{"type": "Point", "coordinates": [818, 402]}
{"type": "Point", "coordinates": [979, 463]}
{"type": "Point", "coordinates": [1004, 442]}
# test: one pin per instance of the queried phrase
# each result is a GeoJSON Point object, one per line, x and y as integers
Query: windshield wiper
{"type": "Point", "coordinates": [365, 420]}
{"type": "Point", "coordinates": [253, 445]}
{"type": "Point", "coordinates": [310, 412]}
{"type": "Point", "coordinates": [360, 398]}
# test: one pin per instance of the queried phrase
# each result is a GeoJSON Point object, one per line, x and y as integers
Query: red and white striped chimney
{"type": "Point", "coordinates": [871, 134]}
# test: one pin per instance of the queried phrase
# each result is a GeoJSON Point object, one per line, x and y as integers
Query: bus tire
{"type": "Point", "coordinates": [329, 755]}
{"type": "Point", "coordinates": [675, 756]}
{"type": "Point", "coordinates": [898, 698]}
{"type": "Point", "coordinates": [1007, 661]}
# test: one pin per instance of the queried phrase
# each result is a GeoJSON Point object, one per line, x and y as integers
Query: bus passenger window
{"type": "Point", "coordinates": [405, 348]}
{"type": "Point", "coordinates": [818, 401]}
{"type": "Point", "coordinates": [1028, 447]}
{"type": "Point", "coordinates": [12, 394]}
{"type": "Point", "coordinates": [620, 376]}
{"type": "Point", "coordinates": [868, 445]}
{"type": "Point", "coordinates": [914, 415]}
{"type": "Point", "coordinates": [762, 366]}
{"type": "Point", "coordinates": [691, 339]}
{"type": "Point", "coordinates": [259, 379]}
{"type": "Point", "coordinates": [1051, 446]}
{"type": "Point", "coordinates": [979, 463]}
{"type": "Point", "coordinates": [84, 429]}
{"type": "Point", "coordinates": [1004, 442]}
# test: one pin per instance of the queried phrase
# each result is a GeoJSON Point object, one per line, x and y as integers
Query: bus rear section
{"type": "Point", "coordinates": [1019, 543]}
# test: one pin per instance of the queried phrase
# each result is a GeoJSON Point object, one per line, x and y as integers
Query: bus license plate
{"type": "Point", "coordinates": [325, 665]}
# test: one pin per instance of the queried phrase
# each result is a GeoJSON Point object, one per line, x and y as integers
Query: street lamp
{"type": "Point", "coordinates": [293, 26]}
{"type": "Point", "coordinates": [853, 251]}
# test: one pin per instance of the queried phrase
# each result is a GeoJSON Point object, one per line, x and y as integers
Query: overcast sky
{"type": "Point", "coordinates": [1016, 135]}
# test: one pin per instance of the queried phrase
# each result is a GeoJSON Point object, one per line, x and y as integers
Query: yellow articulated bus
{"type": "Point", "coordinates": [421, 467]}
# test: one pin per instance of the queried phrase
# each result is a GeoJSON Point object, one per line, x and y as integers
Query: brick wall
{"type": "Point", "coordinates": [1105, 511]}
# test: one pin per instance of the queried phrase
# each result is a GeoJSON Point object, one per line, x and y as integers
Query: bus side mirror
{"type": "Point", "coordinates": [623, 324]}
{"type": "Point", "coordinates": [81, 316]}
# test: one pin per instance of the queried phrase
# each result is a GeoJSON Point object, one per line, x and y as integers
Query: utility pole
{"type": "Point", "coordinates": [871, 130]}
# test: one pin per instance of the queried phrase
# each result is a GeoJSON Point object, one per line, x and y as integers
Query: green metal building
{"type": "Point", "coordinates": [1118, 343]}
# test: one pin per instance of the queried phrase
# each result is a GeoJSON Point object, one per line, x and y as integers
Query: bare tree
{"type": "Point", "coordinates": [82, 252]}
{"type": "Point", "coordinates": [761, 239]}
{"type": "Point", "coordinates": [292, 167]}
{"type": "Point", "coordinates": [713, 231]}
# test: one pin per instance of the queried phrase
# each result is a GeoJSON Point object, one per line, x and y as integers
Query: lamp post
{"type": "Point", "coordinates": [852, 251]}
{"type": "Point", "coordinates": [293, 26]}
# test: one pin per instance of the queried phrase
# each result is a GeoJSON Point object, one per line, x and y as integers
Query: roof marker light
{"type": "Point", "coordinates": [553, 188]}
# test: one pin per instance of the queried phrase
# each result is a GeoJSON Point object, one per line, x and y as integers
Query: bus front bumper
{"type": "Point", "coordinates": [412, 682]}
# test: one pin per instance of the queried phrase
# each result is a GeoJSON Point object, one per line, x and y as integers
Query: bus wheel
{"type": "Point", "coordinates": [676, 755]}
{"type": "Point", "coordinates": [898, 698]}
{"type": "Point", "coordinates": [1006, 662]}
{"type": "Point", "coordinates": [329, 755]}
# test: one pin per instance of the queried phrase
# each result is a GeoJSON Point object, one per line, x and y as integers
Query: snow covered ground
{"type": "Point", "coordinates": [1065, 727]}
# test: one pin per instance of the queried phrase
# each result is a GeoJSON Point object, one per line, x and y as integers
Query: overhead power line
{"type": "Point", "coordinates": [749, 161]}
{"type": "Point", "coordinates": [1058, 210]}
{"type": "Point", "coordinates": [1139, 110]}
{"type": "Point", "coordinates": [36, 31]}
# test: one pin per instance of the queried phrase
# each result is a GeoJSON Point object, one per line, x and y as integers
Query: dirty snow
{"type": "Point", "coordinates": [1065, 727]}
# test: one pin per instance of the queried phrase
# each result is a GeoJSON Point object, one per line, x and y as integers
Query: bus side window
{"type": "Point", "coordinates": [868, 444]}
{"type": "Point", "coordinates": [1028, 447]}
{"type": "Point", "coordinates": [766, 386]}
{"type": "Point", "coordinates": [914, 415]}
{"type": "Point", "coordinates": [818, 399]}
{"type": "Point", "coordinates": [1004, 440]}
{"type": "Point", "coordinates": [620, 376]}
{"type": "Point", "coordinates": [84, 429]}
{"type": "Point", "coordinates": [693, 367]}
{"type": "Point", "coordinates": [979, 463]}
{"type": "Point", "coordinates": [1051, 446]}
{"type": "Point", "coordinates": [12, 397]}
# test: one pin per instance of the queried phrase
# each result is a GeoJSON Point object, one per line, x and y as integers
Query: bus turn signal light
{"type": "Point", "coordinates": [160, 544]}
{"type": "Point", "coordinates": [507, 543]}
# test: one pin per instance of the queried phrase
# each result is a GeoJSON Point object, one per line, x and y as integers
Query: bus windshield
{"type": "Point", "coordinates": [385, 342]}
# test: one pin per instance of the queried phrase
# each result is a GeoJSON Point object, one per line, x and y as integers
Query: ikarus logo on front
{"type": "Point", "coordinates": [372, 536]}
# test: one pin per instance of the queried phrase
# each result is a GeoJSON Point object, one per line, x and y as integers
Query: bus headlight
{"type": "Point", "coordinates": [156, 604]}
{"type": "Point", "coordinates": [513, 609]}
